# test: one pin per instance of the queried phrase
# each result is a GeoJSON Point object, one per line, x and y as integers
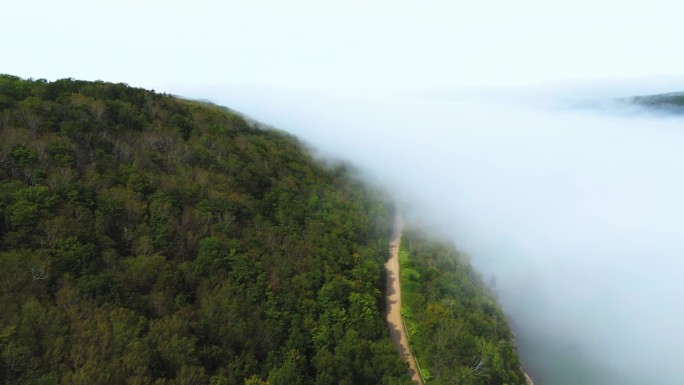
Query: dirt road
{"type": "Point", "coordinates": [396, 325]}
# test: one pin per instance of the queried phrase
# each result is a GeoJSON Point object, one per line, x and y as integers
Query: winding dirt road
{"type": "Point", "coordinates": [396, 324]}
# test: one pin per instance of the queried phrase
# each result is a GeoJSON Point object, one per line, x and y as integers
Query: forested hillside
{"type": "Point", "coordinates": [671, 102]}
{"type": "Point", "coordinates": [458, 332]}
{"type": "Point", "coordinates": [146, 239]}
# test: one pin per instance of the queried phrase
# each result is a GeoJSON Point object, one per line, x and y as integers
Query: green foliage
{"type": "Point", "coordinates": [22, 155]}
{"type": "Point", "coordinates": [150, 240]}
{"type": "Point", "coordinates": [457, 331]}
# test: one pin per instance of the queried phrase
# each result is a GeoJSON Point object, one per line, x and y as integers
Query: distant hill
{"type": "Point", "coordinates": [146, 239]}
{"type": "Point", "coordinates": [670, 102]}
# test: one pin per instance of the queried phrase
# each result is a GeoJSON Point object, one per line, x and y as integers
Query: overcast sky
{"type": "Point", "coordinates": [351, 44]}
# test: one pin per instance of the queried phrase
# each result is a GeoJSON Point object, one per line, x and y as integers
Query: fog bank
{"type": "Point", "coordinates": [575, 206]}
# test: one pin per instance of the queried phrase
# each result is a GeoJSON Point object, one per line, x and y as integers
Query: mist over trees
{"type": "Point", "coordinates": [541, 187]}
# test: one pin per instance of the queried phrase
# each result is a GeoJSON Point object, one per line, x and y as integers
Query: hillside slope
{"type": "Point", "coordinates": [670, 102]}
{"type": "Point", "coordinates": [146, 239]}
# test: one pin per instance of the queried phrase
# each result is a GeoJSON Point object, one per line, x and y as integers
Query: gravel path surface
{"type": "Point", "coordinates": [394, 320]}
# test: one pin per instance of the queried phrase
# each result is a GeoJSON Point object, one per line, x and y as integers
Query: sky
{"type": "Point", "coordinates": [342, 44]}
{"type": "Point", "coordinates": [493, 123]}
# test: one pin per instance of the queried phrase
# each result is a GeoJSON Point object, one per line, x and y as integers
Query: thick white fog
{"type": "Point", "coordinates": [578, 213]}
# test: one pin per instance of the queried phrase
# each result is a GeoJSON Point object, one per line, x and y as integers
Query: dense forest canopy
{"type": "Point", "coordinates": [146, 239]}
